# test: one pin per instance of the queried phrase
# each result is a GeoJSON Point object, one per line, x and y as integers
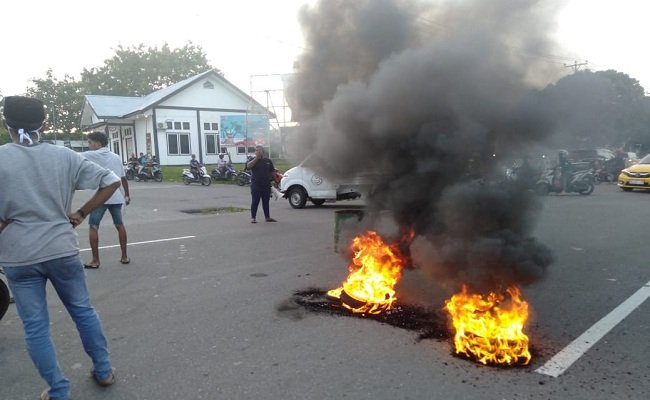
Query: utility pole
{"type": "Point", "coordinates": [576, 65]}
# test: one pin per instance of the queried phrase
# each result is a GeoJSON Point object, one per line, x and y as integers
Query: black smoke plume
{"type": "Point", "coordinates": [433, 96]}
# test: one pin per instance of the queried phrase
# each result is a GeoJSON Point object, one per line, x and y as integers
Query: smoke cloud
{"type": "Point", "coordinates": [432, 95]}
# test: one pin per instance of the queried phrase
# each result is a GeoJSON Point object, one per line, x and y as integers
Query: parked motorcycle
{"type": "Point", "coordinates": [131, 170]}
{"type": "Point", "coordinates": [200, 175]}
{"type": "Point", "coordinates": [227, 174]}
{"type": "Point", "coordinates": [243, 177]}
{"type": "Point", "coordinates": [581, 182]}
{"type": "Point", "coordinates": [5, 296]}
{"type": "Point", "coordinates": [150, 172]}
{"type": "Point", "coordinates": [602, 175]}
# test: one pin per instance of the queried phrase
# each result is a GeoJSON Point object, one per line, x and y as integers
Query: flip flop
{"type": "Point", "coordinates": [125, 260]}
{"type": "Point", "coordinates": [91, 266]}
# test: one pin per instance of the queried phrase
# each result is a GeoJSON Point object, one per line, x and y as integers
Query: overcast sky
{"type": "Point", "coordinates": [255, 37]}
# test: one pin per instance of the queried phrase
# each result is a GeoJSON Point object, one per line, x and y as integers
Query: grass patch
{"type": "Point", "coordinates": [173, 173]}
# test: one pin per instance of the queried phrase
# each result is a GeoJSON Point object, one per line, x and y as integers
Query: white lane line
{"type": "Point", "coordinates": [574, 350]}
{"type": "Point", "coordinates": [145, 242]}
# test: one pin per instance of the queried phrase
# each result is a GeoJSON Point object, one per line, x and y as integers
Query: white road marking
{"type": "Point", "coordinates": [145, 242]}
{"type": "Point", "coordinates": [574, 350]}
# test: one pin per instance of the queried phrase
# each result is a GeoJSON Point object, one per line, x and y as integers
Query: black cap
{"type": "Point", "coordinates": [24, 112]}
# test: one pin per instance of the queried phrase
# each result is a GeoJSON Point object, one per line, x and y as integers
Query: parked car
{"type": "Point", "coordinates": [590, 155]}
{"type": "Point", "coordinates": [636, 176]}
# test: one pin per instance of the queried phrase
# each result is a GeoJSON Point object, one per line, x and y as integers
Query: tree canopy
{"type": "Point", "coordinates": [132, 71]}
{"type": "Point", "coordinates": [140, 70]}
{"type": "Point", "coordinates": [596, 109]}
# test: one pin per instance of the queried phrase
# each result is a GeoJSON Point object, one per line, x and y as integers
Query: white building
{"type": "Point", "coordinates": [203, 115]}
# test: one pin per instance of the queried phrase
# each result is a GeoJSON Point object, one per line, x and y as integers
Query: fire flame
{"type": "Point", "coordinates": [490, 329]}
{"type": "Point", "coordinates": [374, 271]}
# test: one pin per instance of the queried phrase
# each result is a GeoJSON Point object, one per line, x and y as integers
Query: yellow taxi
{"type": "Point", "coordinates": [636, 176]}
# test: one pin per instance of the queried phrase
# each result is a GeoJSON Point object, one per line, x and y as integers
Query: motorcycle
{"type": "Point", "coordinates": [150, 171]}
{"type": "Point", "coordinates": [5, 296]}
{"type": "Point", "coordinates": [602, 175]}
{"type": "Point", "coordinates": [581, 182]}
{"type": "Point", "coordinates": [131, 170]}
{"type": "Point", "coordinates": [243, 177]}
{"type": "Point", "coordinates": [199, 175]}
{"type": "Point", "coordinates": [227, 174]}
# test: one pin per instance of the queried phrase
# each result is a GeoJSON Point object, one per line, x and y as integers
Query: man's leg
{"type": "Point", "coordinates": [255, 202]}
{"type": "Point", "coordinates": [69, 281]}
{"type": "Point", "coordinates": [266, 195]}
{"type": "Point", "coordinates": [27, 284]}
{"type": "Point", "coordinates": [116, 214]}
{"type": "Point", "coordinates": [94, 219]}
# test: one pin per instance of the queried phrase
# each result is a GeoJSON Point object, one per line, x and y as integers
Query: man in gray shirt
{"type": "Point", "coordinates": [38, 241]}
{"type": "Point", "coordinates": [102, 156]}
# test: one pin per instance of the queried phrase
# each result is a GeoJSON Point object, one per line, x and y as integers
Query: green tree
{"type": "Point", "coordinates": [140, 70]}
{"type": "Point", "coordinates": [63, 99]}
{"type": "Point", "coordinates": [134, 71]}
{"type": "Point", "coordinates": [4, 135]}
{"type": "Point", "coordinates": [594, 109]}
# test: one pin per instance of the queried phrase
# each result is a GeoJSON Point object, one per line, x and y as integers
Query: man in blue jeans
{"type": "Point", "coordinates": [38, 242]}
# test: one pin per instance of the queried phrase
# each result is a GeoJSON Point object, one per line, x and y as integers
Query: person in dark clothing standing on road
{"type": "Point", "coordinates": [261, 169]}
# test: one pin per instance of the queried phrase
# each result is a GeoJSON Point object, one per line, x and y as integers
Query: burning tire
{"type": "Point", "coordinates": [297, 197]}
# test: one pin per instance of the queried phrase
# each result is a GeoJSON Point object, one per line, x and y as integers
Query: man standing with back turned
{"type": "Point", "coordinates": [102, 156]}
{"type": "Point", "coordinates": [38, 242]}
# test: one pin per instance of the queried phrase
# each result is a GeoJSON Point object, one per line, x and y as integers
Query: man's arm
{"type": "Point", "coordinates": [252, 162]}
{"type": "Point", "coordinates": [95, 201]}
{"type": "Point", "coordinates": [125, 185]}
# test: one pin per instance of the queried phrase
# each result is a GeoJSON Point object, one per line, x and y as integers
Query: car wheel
{"type": "Point", "coordinates": [297, 197]}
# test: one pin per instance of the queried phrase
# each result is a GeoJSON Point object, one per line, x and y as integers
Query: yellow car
{"type": "Point", "coordinates": [636, 176]}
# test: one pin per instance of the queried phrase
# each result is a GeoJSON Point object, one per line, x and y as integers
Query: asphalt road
{"type": "Point", "coordinates": [197, 317]}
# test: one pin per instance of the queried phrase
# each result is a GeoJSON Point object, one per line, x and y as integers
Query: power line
{"type": "Point", "coordinates": [576, 65]}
